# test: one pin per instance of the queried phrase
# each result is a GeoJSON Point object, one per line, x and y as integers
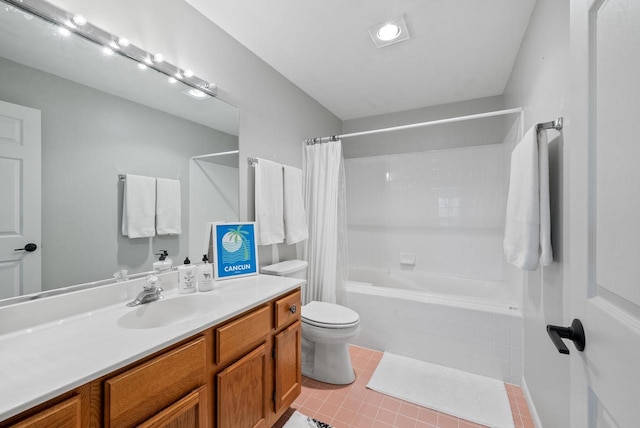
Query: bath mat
{"type": "Point", "coordinates": [464, 395]}
{"type": "Point", "coordinates": [298, 420]}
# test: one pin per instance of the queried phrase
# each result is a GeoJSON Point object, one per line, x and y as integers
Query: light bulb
{"type": "Point", "coordinates": [188, 73]}
{"type": "Point", "coordinates": [79, 20]}
{"type": "Point", "coordinates": [124, 42]}
{"type": "Point", "coordinates": [158, 57]}
{"type": "Point", "coordinates": [388, 32]}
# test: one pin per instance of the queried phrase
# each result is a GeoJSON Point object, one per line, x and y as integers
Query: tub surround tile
{"type": "Point", "coordinates": [361, 407]}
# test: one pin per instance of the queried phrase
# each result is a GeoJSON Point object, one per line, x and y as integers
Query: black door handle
{"type": "Point", "coordinates": [575, 333]}
{"type": "Point", "coordinates": [29, 248]}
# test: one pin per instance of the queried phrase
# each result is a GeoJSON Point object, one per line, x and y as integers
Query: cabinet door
{"type": "Point", "coordinates": [242, 392]}
{"type": "Point", "coordinates": [287, 365]}
{"type": "Point", "coordinates": [189, 412]}
{"type": "Point", "coordinates": [62, 415]}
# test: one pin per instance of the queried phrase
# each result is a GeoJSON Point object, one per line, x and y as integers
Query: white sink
{"type": "Point", "coordinates": [168, 311]}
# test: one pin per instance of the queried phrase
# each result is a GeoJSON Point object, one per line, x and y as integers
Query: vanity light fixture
{"type": "Point", "coordinates": [109, 43]}
{"type": "Point", "coordinates": [389, 32]}
{"type": "Point", "coordinates": [79, 20]}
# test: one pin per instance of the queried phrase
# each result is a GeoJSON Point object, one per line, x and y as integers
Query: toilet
{"type": "Point", "coordinates": [327, 328]}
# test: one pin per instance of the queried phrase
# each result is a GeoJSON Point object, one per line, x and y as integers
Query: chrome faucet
{"type": "Point", "coordinates": [149, 293]}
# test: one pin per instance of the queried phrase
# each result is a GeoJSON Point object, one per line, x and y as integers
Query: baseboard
{"type": "Point", "coordinates": [532, 408]}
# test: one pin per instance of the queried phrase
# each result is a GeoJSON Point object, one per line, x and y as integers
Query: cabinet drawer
{"type": "Point", "coordinates": [237, 337]}
{"type": "Point", "coordinates": [62, 415]}
{"type": "Point", "coordinates": [143, 391]}
{"type": "Point", "coordinates": [287, 309]}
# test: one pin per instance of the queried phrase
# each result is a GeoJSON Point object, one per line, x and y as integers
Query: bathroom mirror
{"type": "Point", "coordinates": [101, 116]}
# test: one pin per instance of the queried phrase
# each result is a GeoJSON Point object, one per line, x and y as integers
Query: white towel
{"type": "Point", "coordinates": [295, 219]}
{"type": "Point", "coordinates": [168, 207]}
{"type": "Point", "coordinates": [139, 206]}
{"type": "Point", "coordinates": [268, 200]}
{"type": "Point", "coordinates": [527, 235]}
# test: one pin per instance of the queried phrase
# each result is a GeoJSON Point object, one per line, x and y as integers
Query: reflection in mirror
{"type": "Point", "coordinates": [73, 118]}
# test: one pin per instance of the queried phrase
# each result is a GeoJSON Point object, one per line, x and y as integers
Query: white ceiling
{"type": "Point", "coordinates": [459, 49]}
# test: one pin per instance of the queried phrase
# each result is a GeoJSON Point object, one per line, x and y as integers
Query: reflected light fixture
{"type": "Point", "coordinates": [196, 93]}
{"type": "Point", "coordinates": [142, 66]}
{"type": "Point", "coordinates": [389, 32]}
{"type": "Point", "coordinates": [172, 79]}
{"type": "Point", "coordinates": [188, 73]}
{"type": "Point", "coordinates": [65, 32]}
{"type": "Point", "coordinates": [79, 20]}
{"type": "Point", "coordinates": [107, 51]}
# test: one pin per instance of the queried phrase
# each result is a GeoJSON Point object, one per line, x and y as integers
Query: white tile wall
{"type": "Point", "coordinates": [473, 340]}
{"type": "Point", "coordinates": [445, 206]}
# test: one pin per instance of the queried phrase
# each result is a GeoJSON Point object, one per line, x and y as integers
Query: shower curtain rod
{"type": "Point", "coordinates": [556, 124]}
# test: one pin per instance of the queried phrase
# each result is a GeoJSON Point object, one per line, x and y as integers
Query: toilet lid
{"type": "Point", "coordinates": [330, 315]}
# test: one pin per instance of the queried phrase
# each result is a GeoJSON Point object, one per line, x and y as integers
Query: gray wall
{"type": "Point", "coordinates": [88, 138]}
{"type": "Point", "coordinates": [275, 115]}
{"type": "Point", "coordinates": [459, 134]}
{"type": "Point", "coordinates": [538, 83]}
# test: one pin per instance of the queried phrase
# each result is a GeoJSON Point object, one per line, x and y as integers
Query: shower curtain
{"type": "Point", "coordinates": [325, 205]}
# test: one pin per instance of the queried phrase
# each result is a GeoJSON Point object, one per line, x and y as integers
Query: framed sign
{"type": "Point", "coordinates": [235, 250]}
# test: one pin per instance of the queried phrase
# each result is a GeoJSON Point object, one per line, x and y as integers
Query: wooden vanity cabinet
{"type": "Point", "coordinates": [243, 373]}
{"type": "Point", "coordinates": [287, 354]}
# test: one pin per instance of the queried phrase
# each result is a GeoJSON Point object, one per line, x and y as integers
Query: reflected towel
{"type": "Point", "coordinates": [139, 206]}
{"type": "Point", "coordinates": [168, 207]}
{"type": "Point", "coordinates": [527, 235]}
{"type": "Point", "coordinates": [268, 201]}
{"type": "Point", "coordinates": [295, 219]}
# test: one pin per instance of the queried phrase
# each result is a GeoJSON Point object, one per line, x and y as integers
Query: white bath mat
{"type": "Point", "coordinates": [298, 420]}
{"type": "Point", "coordinates": [464, 395]}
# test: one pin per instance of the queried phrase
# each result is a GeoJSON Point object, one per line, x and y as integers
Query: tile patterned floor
{"type": "Point", "coordinates": [355, 406]}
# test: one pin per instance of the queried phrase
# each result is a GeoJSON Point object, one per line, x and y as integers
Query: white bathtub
{"type": "Point", "coordinates": [473, 325]}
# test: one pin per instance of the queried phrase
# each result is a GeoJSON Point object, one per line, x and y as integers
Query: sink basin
{"type": "Point", "coordinates": [168, 311]}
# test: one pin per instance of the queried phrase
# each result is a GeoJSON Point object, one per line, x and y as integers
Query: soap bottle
{"type": "Point", "coordinates": [163, 264]}
{"type": "Point", "coordinates": [205, 275]}
{"type": "Point", "coordinates": [186, 277]}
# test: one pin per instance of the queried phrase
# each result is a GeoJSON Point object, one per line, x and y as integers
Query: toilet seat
{"type": "Point", "coordinates": [329, 315]}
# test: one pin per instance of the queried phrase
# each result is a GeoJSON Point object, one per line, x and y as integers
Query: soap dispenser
{"type": "Point", "coordinates": [205, 275]}
{"type": "Point", "coordinates": [163, 264]}
{"type": "Point", "coordinates": [186, 277]}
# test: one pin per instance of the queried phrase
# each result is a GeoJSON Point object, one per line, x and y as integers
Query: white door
{"type": "Point", "coordinates": [19, 200]}
{"type": "Point", "coordinates": [603, 138]}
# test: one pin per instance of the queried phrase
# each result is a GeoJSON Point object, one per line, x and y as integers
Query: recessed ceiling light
{"type": "Point", "coordinates": [158, 57]}
{"type": "Point", "coordinates": [124, 42]}
{"type": "Point", "coordinates": [389, 32]}
{"type": "Point", "coordinates": [79, 20]}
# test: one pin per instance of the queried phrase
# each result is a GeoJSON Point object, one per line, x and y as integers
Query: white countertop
{"type": "Point", "coordinates": [41, 361]}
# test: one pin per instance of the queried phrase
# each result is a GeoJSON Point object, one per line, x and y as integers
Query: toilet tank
{"type": "Point", "coordinates": [290, 268]}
